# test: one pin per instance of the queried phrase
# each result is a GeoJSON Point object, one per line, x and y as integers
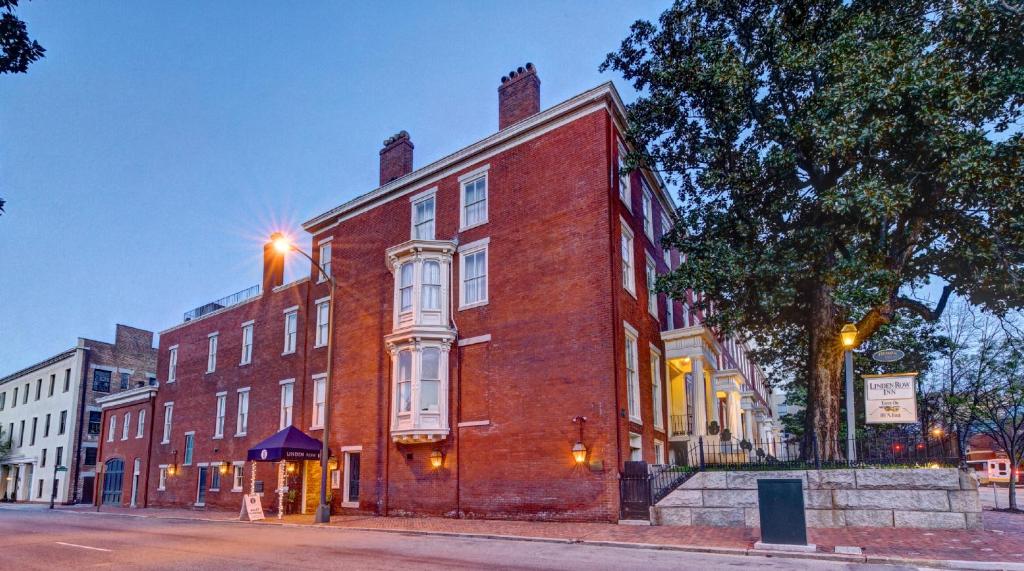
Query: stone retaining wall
{"type": "Point", "coordinates": [934, 498]}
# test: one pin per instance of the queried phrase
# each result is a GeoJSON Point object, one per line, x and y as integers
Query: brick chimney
{"type": "Point", "coordinates": [395, 157]}
{"type": "Point", "coordinates": [518, 96]}
{"type": "Point", "coordinates": [273, 265]}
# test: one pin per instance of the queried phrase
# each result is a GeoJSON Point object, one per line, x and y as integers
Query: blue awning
{"type": "Point", "coordinates": [288, 444]}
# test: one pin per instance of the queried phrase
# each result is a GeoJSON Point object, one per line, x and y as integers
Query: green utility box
{"type": "Point", "coordinates": [781, 506]}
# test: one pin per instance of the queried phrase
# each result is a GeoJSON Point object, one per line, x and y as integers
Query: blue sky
{"type": "Point", "coordinates": [146, 157]}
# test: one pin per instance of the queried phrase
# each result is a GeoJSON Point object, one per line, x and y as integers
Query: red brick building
{"type": "Point", "coordinates": [486, 302]}
{"type": "Point", "coordinates": [126, 443]}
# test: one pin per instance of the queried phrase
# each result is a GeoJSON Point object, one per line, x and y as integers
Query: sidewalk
{"type": "Point", "coordinates": [1001, 541]}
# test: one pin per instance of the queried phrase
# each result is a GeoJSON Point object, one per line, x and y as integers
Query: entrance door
{"type": "Point", "coordinates": [113, 479]}
{"type": "Point", "coordinates": [201, 490]}
{"type": "Point", "coordinates": [350, 497]}
{"type": "Point", "coordinates": [135, 481]}
{"type": "Point", "coordinates": [88, 483]}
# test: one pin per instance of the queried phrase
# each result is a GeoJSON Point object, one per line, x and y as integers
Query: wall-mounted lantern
{"type": "Point", "coordinates": [223, 468]}
{"type": "Point", "coordinates": [291, 468]}
{"type": "Point", "coordinates": [579, 450]}
{"type": "Point", "coordinates": [436, 459]}
{"type": "Point", "coordinates": [173, 468]}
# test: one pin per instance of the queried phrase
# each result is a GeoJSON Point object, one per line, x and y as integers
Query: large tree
{"type": "Point", "coordinates": [833, 159]}
{"type": "Point", "coordinates": [17, 49]}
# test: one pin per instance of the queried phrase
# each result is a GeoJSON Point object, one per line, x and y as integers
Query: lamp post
{"type": "Point", "coordinates": [849, 337]}
{"type": "Point", "coordinates": [283, 245]}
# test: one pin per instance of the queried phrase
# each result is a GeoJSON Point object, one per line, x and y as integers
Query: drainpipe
{"type": "Point", "coordinates": [616, 319]}
{"type": "Point", "coordinates": [76, 453]}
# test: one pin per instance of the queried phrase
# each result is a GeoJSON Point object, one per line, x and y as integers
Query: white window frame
{"type": "Point", "coordinates": [632, 352]}
{"type": "Point", "coordinates": [670, 314]}
{"type": "Point", "coordinates": [248, 334]}
{"type": "Point", "coordinates": [647, 201]}
{"type": "Point", "coordinates": [657, 389]}
{"type": "Point", "coordinates": [287, 415]}
{"type": "Point", "coordinates": [466, 180]}
{"type": "Point", "coordinates": [220, 415]}
{"type": "Point", "coordinates": [414, 204]}
{"type": "Point", "coordinates": [188, 453]}
{"type": "Point", "coordinates": [628, 254]}
{"type": "Point", "coordinates": [126, 425]}
{"type": "Point", "coordinates": [141, 422]}
{"type": "Point", "coordinates": [291, 329]}
{"type": "Point", "coordinates": [168, 420]}
{"type": "Point", "coordinates": [666, 253]}
{"type": "Point", "coordinates": [659, 451]}
{"type": "Point", "coordinates": [625, 187]}
{"type": "Point", "coordinates": [466, 251]}
{"type": "Point", "coordinates": [211, 355]}
{"type": "Point", "coordinates": [651, 275]}
{"type": "Point", "coordinates": [319, 401]}
{"type": "Point", "coordinates": [242, 412]}
{"type": "Point", "coordinates": [347, 451]}
{"type": "Point", "coordinates": [323, 312]}
{"type": "Point", "coordinates": [162, 481]}
{"type": "Point", "coordinates": [639, 440]}
{"type": "Point", "coordinates": [172, 363]}
{"type": "Point", "coordinates": [237, 476]}
{"type": "Point", "coordinates": [112, 428]}
{"type": "Point", "coordinates": [324, 257]}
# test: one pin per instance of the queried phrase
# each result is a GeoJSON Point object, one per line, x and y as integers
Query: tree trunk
{"type": "Point", "coordinates": [1013, 481]}
{"type": "Point", "coordinates": [824, 376]}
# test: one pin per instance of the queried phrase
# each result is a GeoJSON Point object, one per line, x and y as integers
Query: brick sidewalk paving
{"type": "Point", "coordinates": [1001, 540]}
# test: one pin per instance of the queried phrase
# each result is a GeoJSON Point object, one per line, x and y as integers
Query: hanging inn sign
{"type": "Point", "coordinates": [890, 399]}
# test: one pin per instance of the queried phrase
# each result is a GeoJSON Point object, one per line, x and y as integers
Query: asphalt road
{"type": "Point", "coordinates": [59, 540]}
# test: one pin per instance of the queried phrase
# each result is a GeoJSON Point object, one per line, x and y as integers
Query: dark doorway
{"type": "Point", "coordinates": [88, 484]}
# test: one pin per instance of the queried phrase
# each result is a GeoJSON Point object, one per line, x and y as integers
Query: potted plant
{"type": "Point", "coordinates": [726, 434]}
{"type": "Point", "coordinates": [746, 445]}
{"type": "Point", "coordinates": [713, 428]}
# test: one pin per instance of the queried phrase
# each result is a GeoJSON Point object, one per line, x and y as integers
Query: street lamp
{"type": "Point", "coordinates": [849, 337]}
{"type": "Point", "coordinates": [284, 245]}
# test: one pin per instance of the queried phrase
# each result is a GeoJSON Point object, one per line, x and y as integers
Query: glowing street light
{"type": "Point", "coordinates": [849, 337]}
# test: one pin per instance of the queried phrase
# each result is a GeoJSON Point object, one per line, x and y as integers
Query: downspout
{"type": "Point", "coordinates": [149, 449]}
{"type": "Point", "coordinates": [76, 453]}
{"type": "Point", "coordinates": [616, 319]}
{"type": "Point", "coordinates": [458, 379]}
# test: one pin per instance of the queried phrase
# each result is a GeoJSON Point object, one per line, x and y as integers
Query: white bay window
{"type": "Point", "coordinates": [420, 388]}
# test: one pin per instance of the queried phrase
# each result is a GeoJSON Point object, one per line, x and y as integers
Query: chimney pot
{"type": "Point", "coordinates": [518, 95]}
{"type": "Point", "coordinates": [396, 157]}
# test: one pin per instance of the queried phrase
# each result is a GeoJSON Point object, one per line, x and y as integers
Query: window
{"type": "Point", "coordinates": [90, 456]}
{"type": "Point", "coordinates": [474, 202]}
{"type": "Point", "coordinates": [322, 310]}
{"type": "Point", "coordinates": [656, 389]}
{"type": "Point", "coordinates": [211, 357]}
{"type": "Point", "coordinates": [126, 425]}
{"type": "Point", "coordinates": [101, 381]}
{"type": "Point", "coordinates": [666, 252]}
{"type": "Point", "coordinates": [670, 317]}
{"type": "Point", "coordinates": [111, 428]}
{"type": "Point", "coordinates": [350, 494]}
{"type": "Point", "coordinates": [141, 423]}
{"type": "Point", "coordinates": [172, 364]}
{"type": "Point", "coordinates": [648, 211]}
{"type": "Point", "coordinates": [67, 380]}
{"type": "Point", "coordinates": [39, 492]}
{"type": "Point", "coordinates": [636, 451]}
{"type": "Point", "coordinates": [125, 380]}
{"type": "Point", "coordinates": [214, 479]}
{"type": "Point", "coordinates": [632, 375]}
{"type": "Point", "coordinates": [325, 262]}
{"type": "Point", "coordinates": [474, 275]}
{"type": "Point", "coordinates": [53, 382]}
{"type": "Point", "coordinates": [58, 458]}
{"type": "Point", "coordinates": [242, 420]}
{"type": "Point", "coordinates": [42, 460]}
{"type": "Point", "coordinates": [95, 417]}
{"type": "Point", "coordinates": [319, 394]}
{"type": "Point", "coordinates": [21, 434]}
{"type": "Point", "coordinates": [162, 484]}
{"type": "Point", "coordinates": [291, 322]}
{"type": "Point", "coordinates": [659, 452]}
{"type": "Point", "coordinates": [431, 285]}
{"type": "Point", "coordinates": [3, 400]}
{"type": "Point", "coordinates": [404, 381]}
{"type": "Point", "coordinates": [35, 424]}
{"type": "Point", "coordinates": [627, 260]}
{"type": "Point", "coordinates": [430, 380]}
{"type": "Point", "coordinates": [624, 189]}
{"type": "Point", "coordinates": [237, 477]}
{"type": "Point", "coordinates": [168, 417]}
{"type": "Point", "coordinates": [652, 293]}
{"type": "Point", "coordinates": [46, 426]}
{"type": "Point", "coordinates": [246, 343]}
{"type": "Point", "coordinates": [423, 219]}
{"type": "Point", "coordinates": [63, 422]}
{"type": "Point", "coordinates": [14, 401]}
{"type": "Point", "coordinates": [405, 287]}
{"type": "Point", "coordinates": [190, 441]}
{"type": "Point", "coordinates": [24, 395]}
{"type": "Point", "coordinates": [10, 435]}
{"type": "Point", "coordinates": [222, 407]}
{"type": "Point", "coordinates": [39, 388]}
{"type": "Point", "coordinates": [287, 399]}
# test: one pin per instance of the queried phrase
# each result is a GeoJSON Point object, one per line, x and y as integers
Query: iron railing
{"type": "Point", "coordinates": [226, 301]}
{"type": "Point", "coordinates": [680, 424]}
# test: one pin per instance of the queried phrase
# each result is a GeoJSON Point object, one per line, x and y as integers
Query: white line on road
{"type": "Point", "coordinates": [82, 546]}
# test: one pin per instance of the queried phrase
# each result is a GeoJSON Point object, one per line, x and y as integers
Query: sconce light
{"type": "Point", "coordinates": [436, 459]}
{"type": "Point", "coordinates": [290, 467]}
{"type": "Point", "coordinates": [173, 468]}
{"type": "Point", "coordinates": [223, 468]}
{"type": "Point", "coordinates": [579, 450]}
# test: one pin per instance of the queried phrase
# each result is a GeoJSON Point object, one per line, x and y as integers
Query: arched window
{"type": "Point", "coordinates": [113, 479]}
{"type": "Point", "coordinates": [405, 287]}
{"type": "Point", "coordinates": [431, 285]}
{"type": "Point", "coordinates": [405, 381]}
{"type": "Point", "coordinates": [430, 380]}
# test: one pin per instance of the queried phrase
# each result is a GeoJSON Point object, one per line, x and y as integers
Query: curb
{"type": "Point", "coordinates": [750, 552]}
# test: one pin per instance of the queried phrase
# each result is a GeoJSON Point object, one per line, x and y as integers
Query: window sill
{"type": "Point", "coordinates": [316, 427]}
{"type": "Point", "coordinates": [321, 346]}
{"type": "Point", "coordinates": [209, 372]}
{"type": "Point", "coordinates": [472, 305]}
{"type": "Point", "coordinates": [245, 363]}
{"type": "Point", "coordinates": [292, 352]}
{"type": "Point", "coordinates": [631, 292]}
{"type": "Point", "coordinates": [165, 442]}
{"type": "Point", "coordinates": [350, 504]}
{"type": "Point", "coordinates": [217, 437]}
{"type": "Point", "coordinates": [239, 490]}
{"type": "Point", "coordinates": [161, 489]}
{"type": "Point", "coordinates": [471, 226]}
{"type": "Point", "coordinates": [636, 420]}
{"type": "Point", "coordinates": [214, 489]}
{"type": "Point", "coordinates": [237, 434]}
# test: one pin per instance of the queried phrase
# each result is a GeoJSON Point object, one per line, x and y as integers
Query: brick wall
{"type": "Point", "coordinates": [127, 448]}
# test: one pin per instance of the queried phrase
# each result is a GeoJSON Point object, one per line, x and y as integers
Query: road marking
{"type": "Point", "coordinates": [82, 546]}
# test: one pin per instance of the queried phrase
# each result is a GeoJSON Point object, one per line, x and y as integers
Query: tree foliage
{"type": "Point", "coordinates": [17, 49]}
{"type": "Point", "coordinates": [834, 158]}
